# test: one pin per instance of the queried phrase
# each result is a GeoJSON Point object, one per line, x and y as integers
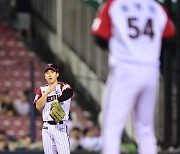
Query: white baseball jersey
{"type": "Point", "coordinates": [134, 30]}
{"type": "Point", "coordinates": [55, 137]}
{"type": "Point", "coordinates": [51, 97]}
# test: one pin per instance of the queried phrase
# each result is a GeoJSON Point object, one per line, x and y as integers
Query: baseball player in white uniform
{"type": "Point", "coordinates": [54, 135]}
{"type": "Point", "coordinates": [133, 30]}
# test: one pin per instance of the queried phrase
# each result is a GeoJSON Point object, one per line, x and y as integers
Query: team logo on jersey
{"type": "Point", "coordinates": [52, 98]}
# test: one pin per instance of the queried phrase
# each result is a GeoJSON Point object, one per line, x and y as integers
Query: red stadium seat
{"type": "Point", "coordinates": [14, 59]}
{"type": "Point", "coordinates": [20, 126]}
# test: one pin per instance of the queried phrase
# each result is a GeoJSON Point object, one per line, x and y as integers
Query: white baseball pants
{"type": "Point", "coordinates": [130, 87]}
{"type": "Point", "coordinates": [55, 139]}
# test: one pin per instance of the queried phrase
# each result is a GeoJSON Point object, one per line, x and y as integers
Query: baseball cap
{"type": "Point", "coordinates": [51, 67]}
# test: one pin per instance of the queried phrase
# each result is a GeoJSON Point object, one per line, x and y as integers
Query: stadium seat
{"type": "Point", "coordinates": [19, 126]}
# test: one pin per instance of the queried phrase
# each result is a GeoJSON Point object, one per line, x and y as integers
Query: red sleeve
{"type": "Point", "coordinates": [102, 23]}
{"type": "Point", "coordinates": [38, 95]}
{"type": "Point", "coordinates": [169, 30]}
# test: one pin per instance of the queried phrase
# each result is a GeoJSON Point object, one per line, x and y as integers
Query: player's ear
{"type": "Point", "coordinates": [57, 74]}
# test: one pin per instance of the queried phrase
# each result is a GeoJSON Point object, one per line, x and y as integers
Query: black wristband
{"type": "Point", "coordinates": [68, 93]}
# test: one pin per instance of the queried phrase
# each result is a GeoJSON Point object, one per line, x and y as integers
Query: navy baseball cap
{"type": "Point", "coordinates": [51, 67]}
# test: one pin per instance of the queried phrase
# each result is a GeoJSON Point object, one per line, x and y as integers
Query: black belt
{"type": "Point", "coordinates": [53, 122]}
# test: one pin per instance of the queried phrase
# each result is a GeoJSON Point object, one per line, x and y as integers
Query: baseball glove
{"type": "Point", "coordinates": [57, 113]}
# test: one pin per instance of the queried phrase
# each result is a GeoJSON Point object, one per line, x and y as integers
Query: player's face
{"type": "Point", "coordinates": [51, 76]}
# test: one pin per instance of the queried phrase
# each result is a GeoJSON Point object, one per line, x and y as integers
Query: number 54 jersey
{"type": "Point", "coordinates": [134, 30]}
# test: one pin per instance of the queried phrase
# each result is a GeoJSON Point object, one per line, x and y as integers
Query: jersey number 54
{"type": "Point", "coordinates": [148, 28]}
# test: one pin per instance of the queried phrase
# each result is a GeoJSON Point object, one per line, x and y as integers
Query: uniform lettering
{"type": "Point", "coordinates": [148, 28]}
{"type": "Point", "coordinates": [52, 98]}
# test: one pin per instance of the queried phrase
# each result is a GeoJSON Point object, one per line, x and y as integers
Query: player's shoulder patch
{"type": "Point", "coordinates": [64, 85]}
